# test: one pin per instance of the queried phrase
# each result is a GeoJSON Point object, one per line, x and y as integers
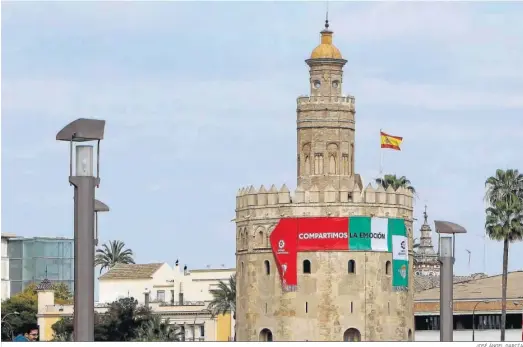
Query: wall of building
{"type": "Point", "coordinates": [195, 285]}
{"type": "Point", "coordinates": [6, 285]}
{"type": "Point", "coordinates": [512, 335]}
{"type": "Point", "coordinates": [33, 259]}
{"type": "Point", "coordinates": [114, 289]}
{"type": "Point", "coordinates": [224, 327]}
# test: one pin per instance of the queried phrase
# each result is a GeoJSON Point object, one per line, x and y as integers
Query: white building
{"type": "Point", "coordinates": [6, 283]}
{"type": "Point", "coordinates": [181, 295]}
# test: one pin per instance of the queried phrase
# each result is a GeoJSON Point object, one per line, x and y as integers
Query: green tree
{"type": "Point", "coordinates": [123, 321]}
{"type": "Point", "coordinates": [224, 299]}
{"type": "Point", "coordinates": [504, 221]}
{"type": "Point", "coordinates": [395, 182]}
{"type": "Point", "coordinates": [112, 254]}
{"type": "Point", "coordinates": [21, 309]}
{"type": "Point", "coordinates": [156, 329]}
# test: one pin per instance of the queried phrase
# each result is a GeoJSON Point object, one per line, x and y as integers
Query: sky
{"type": "Point", "coordinates": [200, 100]}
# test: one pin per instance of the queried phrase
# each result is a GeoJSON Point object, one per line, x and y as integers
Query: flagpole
{"type": "Point", "coordinates": [381, 158]}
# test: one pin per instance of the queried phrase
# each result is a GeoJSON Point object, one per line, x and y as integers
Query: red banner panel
{"type": "Point", "coordinates": [283, 243]}
{"type": "Point", "coordinates": [323, 234]}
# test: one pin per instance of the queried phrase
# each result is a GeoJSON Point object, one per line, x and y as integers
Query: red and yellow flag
{"type": "Point", "coordinates": [389, 141]}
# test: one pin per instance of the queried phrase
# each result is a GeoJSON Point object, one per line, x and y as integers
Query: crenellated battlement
{"type": "Point", "coordinates": [251, 197]}
{"type": "Point", "coordinates": [348, 100]}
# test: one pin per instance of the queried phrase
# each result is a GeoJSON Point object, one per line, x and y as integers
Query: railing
{"type": "Point", "coordinates": [178, 303]}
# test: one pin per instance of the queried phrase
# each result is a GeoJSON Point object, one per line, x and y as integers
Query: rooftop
{"type": "Point", "coordinates": [481, 288]}
{"type": "Point", "coordinates": [131, 271]}
{"type": "Point", "coordinates": [427, 282]}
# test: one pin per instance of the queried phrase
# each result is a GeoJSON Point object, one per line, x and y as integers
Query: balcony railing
{"type": "Point", "coordinates": [178, 303]}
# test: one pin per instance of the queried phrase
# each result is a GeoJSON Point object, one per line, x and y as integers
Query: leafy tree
{"type": "Point", "coordinates": [395, 182]}
{"type": "Point", "coordinates": [63, 329]}
{"type": "Point", "coordinates": [112, 254]}
{"type": "Point", "coordinates": [224, 298]}
{"type": "Point", "coordinates": [123, 321]}
{"type": "Point", "coordinates": [21, 309]}
{"type": "Point", "coordinates": [158, 330]}
{"type": "Point", "coordinates": [504, 221]}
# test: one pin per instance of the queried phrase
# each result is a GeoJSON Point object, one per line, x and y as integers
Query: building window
{"type": "Point", "coordinates": [306, 307]}
{"type": "Point", "coordinates": [160, 295]}
{"type": "Point", "coordinates": [352, 267]}
{"type": "Point", "coordinates": [267, 267]}
{"type": "Point", "coordinates": [172, 297]}
{"type": "Point", "coordinates": [318, 164]}
{"type": "Point", "coordinates": [202, 330]}
{"type": "Point", "coordinates": [409, 335]}
{"type": "Point", "coordinates": [351, 307]}
{"type": "Point", "coordinates": [306, 267]}
{"type": "Point", "coordinates": [387, 267]}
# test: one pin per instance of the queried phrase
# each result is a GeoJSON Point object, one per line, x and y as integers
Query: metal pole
{"type": "Point", "coordinates": [446, 290]}
{"type": "Point", "coordinates": [84, 240]}
{"type": "Point", "coordinates": [474, 321]}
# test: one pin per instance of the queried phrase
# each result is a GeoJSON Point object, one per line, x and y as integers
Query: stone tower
{"type": "Point", "coordinates": [340, 295]}
{"type": "Point", "coordinates": [426, 262]}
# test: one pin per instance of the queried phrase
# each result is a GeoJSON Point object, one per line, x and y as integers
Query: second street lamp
{"type": "Point", "coordinates": [85, 183]}
{"type": "Point", "coordinates": [98, 207]}
{"type": "Point", "coordinates": [474, 318]}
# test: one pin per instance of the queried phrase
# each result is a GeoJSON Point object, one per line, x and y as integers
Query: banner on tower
{"type": "Point", "coordinates": [358, 233]}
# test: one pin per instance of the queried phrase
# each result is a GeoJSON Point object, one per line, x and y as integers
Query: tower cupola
{"type": "Point", "coordinates": [326, 50]}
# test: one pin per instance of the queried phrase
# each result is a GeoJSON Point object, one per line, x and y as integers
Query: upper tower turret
{"type": "Point", "coordinates": [325, 122]}
{"type": "Point", "coordinates": [326, 66]}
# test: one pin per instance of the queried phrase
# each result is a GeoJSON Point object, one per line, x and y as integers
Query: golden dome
{"type": "Point", "coordinates": [326, 50]}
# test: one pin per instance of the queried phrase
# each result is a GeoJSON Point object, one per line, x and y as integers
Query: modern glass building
{"type": "Point", "coordinates": [33, 259]}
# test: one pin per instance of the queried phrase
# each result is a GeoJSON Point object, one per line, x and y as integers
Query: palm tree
{"type": "Point", "coordinates": [504, 221]}
{"type": "Point", "coordinates": [503, 184]}
{"type": "Point", "coordinates": [157, 329]}
{"type": "Point", "coordinates": [109, 256]}
{"type": "Point", "coordinates": [395, 182]}
{"type": "Point", "coordinates": [224, 299]}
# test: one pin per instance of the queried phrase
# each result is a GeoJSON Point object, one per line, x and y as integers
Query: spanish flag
{"type": "Point", "coordinates": [389, 141]}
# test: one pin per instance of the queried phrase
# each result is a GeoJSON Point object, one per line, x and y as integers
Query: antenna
{"type": "Point", "coordinates": [469, 252]}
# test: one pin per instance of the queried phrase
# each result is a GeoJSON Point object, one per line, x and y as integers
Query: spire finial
{"type": "Point", "coordinates": [327, 16]}
{"type": "Point", "coordinates": [425, 215]}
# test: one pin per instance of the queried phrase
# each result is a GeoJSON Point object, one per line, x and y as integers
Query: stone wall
{"type": "Point", "coordinates": [329, 300]}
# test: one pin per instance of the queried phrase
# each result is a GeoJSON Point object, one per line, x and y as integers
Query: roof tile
{"type": "Point", "coordinates": [131, 271]}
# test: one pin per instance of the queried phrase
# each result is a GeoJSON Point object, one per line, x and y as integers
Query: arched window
{"type": "Point", "coordinates": [266, 335]}
{"type": "Point", "coordinates": [260, 239]}
{"type": "Point", "coordinates": [387, 268]}
{"type": "Point", "coordinates": [409, 336]}
{"type": "Point", "coordinates": [306, 267]}
{"type": "Point", "coordinates": [267, 267]}
{"type": "Point", "coordinates": [352, 267]}
{"type": "Point", "coordinates": [241, 269]}
{"type": "Point", "coordinates": [352, 335]}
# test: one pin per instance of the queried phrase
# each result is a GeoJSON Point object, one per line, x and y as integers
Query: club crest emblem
{"type": "Point", "coordinates": [403, 271]}
{"type": "Point", "coordinates": [281, 244]}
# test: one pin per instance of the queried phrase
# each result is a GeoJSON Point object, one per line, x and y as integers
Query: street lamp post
{"type": "Point", "coordinates": [84, 182]}
{"type": "Point", "coordinates": [474, 319]}
{"type": "Point", "coordinates": [9, 314]}
{"type": "Point", "coordinates": [447, 247]}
